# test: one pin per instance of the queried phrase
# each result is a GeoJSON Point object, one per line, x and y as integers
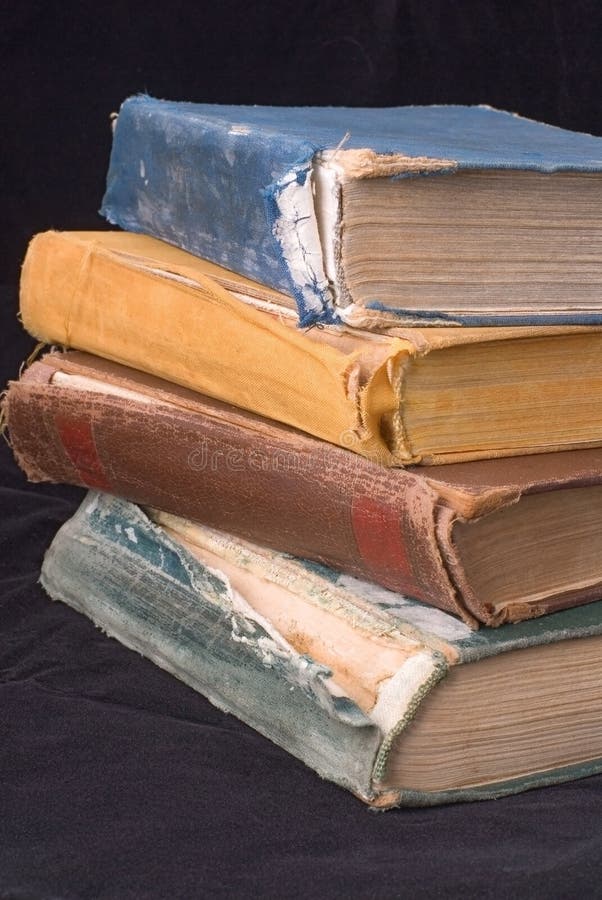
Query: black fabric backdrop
{"type": "Point", "coordinates": [116, 781]}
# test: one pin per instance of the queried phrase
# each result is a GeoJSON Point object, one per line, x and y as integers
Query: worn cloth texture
{"type": "Point", "coordinates": [240, 162]}
{"type": "Point", "coordinates": [116, 780]}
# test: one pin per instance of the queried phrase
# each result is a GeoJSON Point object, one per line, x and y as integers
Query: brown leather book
{"type": "Point", "coordinates": [492, 541]}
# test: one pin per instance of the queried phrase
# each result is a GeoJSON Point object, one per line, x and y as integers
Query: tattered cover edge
{"type": "Point", "coordinates": [377, 316]}
{"type": "Point", "coordinates": [198, 576]}
{"type": "Point", "coordinates": [287, 201]}
{"type": "Point", "coordinates": [292, 219]}
{"type": "Point", "coordinates": [393, 528]}
{"type": "Point", "coordinates": [446, 579]}
{"type": "Point", "coordinates": [373, 520]}
{"type": "Point", "coordinates": [383, 799]}
{"type": "Point", "coordinates": [301, 668]}
{"type": "Point", "coordinates": [364, 401]}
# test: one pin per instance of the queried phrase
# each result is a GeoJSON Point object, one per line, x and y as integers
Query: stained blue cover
{"type": "Point", "coordinates": [207, 177]}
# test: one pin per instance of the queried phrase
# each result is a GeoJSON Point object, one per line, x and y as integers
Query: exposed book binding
{"type": "Point", "coordinates": [396, 702]}
{"type": "Point", "coordinates": [412, 396]}
{"type": "Point", "coordinates": [441, 214]}
{"type": "Point", "coordinates": [491, 541]}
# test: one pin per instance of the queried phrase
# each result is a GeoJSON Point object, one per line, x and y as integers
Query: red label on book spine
{"type": "Point", "coordinates": [78, 442]}
{"type": "Point", "coordinates": [379, 540]}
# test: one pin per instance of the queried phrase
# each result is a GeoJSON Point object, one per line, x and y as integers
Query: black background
{"type": "Point", "coordinates": [116, 780]}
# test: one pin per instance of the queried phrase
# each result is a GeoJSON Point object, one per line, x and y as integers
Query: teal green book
{"type": "Point", "coordinates": [398, 702]}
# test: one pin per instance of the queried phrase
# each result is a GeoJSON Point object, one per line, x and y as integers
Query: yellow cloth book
{"type": "Point", "coordinates": [410, 396]}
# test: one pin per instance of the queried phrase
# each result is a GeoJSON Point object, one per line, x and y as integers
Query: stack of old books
{"type": "Point", "coordinates": [347, 362]}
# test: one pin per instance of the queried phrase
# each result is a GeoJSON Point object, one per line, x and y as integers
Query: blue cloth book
{"type": "Point", "coordinates": [398, 702]}
{"type": "Point", "coordinates": [372, 217]}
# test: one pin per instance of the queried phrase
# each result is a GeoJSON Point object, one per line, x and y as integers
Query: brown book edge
{"type": "Point", "coordinates": [269, 483]}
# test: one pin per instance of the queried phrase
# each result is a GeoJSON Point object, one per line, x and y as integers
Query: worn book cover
{"type": "Point", "coordinates": [412, 396]}
{"type": "Point", "coordinates": [490, 541]}
{"type": "Point", "coordinates": [399, 703]}
{"type": "Point", "coordinates": [435, 215]}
